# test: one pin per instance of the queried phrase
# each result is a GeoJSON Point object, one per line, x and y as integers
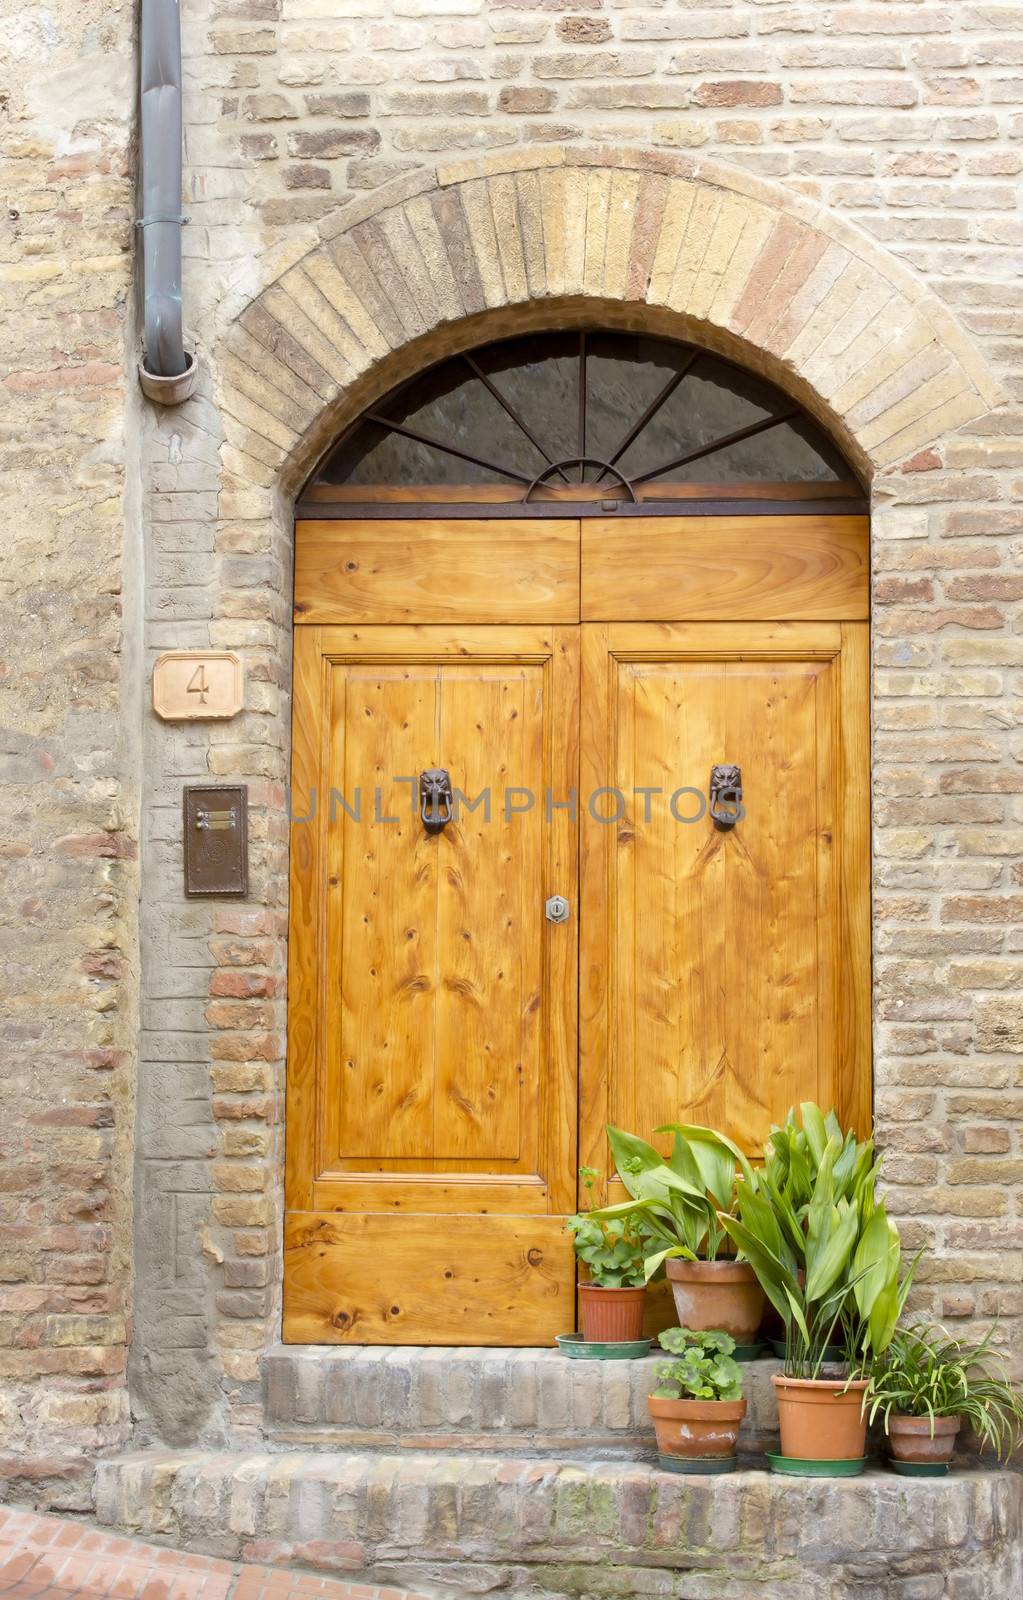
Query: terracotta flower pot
{"type": "Point", "coordinates": [820, 1419]}
{"type": "Point", "coordinates": [910, 1438]}
{"type": "Point", "coordinates": [610, 1316]}
{"type": "Point", "coordinates": [697, 1430]}
{"type": "Point", "coordinates": [717, 1295]}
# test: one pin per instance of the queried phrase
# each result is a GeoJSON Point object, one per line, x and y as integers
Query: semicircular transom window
{"type": "Point", "coordinates": [620, 412]}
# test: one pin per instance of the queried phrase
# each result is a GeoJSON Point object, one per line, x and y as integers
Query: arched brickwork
{"type": "Point", "coordinates": [436, 262]}
{"type": "Point", "coordinates": [691, 248]}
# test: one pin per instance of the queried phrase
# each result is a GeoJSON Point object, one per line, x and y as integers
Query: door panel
{"type": "Point", "coordinates": [432, 1073]}
{"type": "Point", "coordinates": [385, 570]}
{"type": "Point", "coordinates": [711, 961]}
{"type": "Point", "coordinates": [666, 568]}
{"type": "Point", "coordinates": [370, 1279]}
{"type": "Point", "coordinates": [437, 1011]}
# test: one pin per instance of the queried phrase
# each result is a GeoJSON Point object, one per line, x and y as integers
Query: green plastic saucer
{"type": "Point", "coordinates": [796, 1467]}
{"type": "Point", "coordinates": [748, 1352]}
{"type": "Point", "coordinates": [700, 1464]}
{"type": "Point", "coordinates": [920, 1469]}
{"type": "Point", "coordinates": [574, 1345]}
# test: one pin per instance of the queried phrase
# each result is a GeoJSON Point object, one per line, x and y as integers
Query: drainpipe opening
{"type": "Point", "coordinates": [169, 391]}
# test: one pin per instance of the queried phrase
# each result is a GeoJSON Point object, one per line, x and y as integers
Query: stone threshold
{"type": "Point", "coordinates": [453, 1522]}
{"type": "Point", "coordinates": [524, 1401]}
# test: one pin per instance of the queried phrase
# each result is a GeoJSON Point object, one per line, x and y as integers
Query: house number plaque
{"type": "Point", "coordinates": [190, 685]}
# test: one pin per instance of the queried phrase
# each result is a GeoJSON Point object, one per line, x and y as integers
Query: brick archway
{"type": "Point", "coordinates": [436, 262]}
{"type": "Point", "coordinates": [544, 237]}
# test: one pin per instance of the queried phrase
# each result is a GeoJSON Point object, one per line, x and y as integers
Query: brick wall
{"type": "Point", "coordinates": [68, 709]}
{"type": "Point", "coordinates": [903, 124]}
{"type": "Point", "coordinates": [903, 120]}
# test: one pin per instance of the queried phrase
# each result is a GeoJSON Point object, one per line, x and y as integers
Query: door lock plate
{"type": "Point", "coordinates": [557, 908]}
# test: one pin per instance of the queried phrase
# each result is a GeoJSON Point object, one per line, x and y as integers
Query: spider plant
{"type": "Point", "coordinates": [927, 1372]}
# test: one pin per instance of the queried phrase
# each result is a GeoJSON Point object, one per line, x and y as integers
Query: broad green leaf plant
{"type": "Point", "coordinates": [704, 1369]}
{"type": "Point", "coordinates": [822, 1245]}
{"type": "Point", "coordinates": [681, 1199]}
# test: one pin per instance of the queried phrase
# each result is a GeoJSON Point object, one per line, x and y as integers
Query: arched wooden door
{"type": "Point", "coordinates": [577, 670]}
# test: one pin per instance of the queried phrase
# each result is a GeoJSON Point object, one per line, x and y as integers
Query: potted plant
{"type": "Point", "coordinates": [849, 1294]}
{"type": "Point", "coordinates": [792, 1158]}
{"type": "Point", "coordinates": [680, 1201]}
{"type": "Point", "coordinates": [612, 1298]}
{"type": "Point", "coordinates": [697, 1404]}
{"type": "Point", "coordinates": [927, 1383]}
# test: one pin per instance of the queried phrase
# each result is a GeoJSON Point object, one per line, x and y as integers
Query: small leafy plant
{"type": "Point", "coordinates": [704, 1369]}
{"type": "Point", "coordinates": [612, 1248]}
{"type": "Point", "coordinates": [926, 1372]}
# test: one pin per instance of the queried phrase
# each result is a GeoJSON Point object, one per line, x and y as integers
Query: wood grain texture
{"type": "Point", "coordinates": [423, 571]}
{"type": "Point", "coordinates": [455, 1191]}
{"type": "Point", "coordinates": [434, 1008]}
{"type": "Point", "coordinates": [712, 962]}
{"type": "Point", "coordinates": [374, 1279]}
{"type": "Point", "coordinates": [306, 985]}
{"type": "Point", "coordinates": [444, 1039]}
{"type": "Point", "coordinates": [598, 1046]}
{"type": "Point", "coordinates": [730, 568]}
{"type": "Point", "coordinates": [853, 1066]}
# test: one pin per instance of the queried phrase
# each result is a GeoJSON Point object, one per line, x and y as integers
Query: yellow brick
{"type": "Point", "coordinates": [480, 219]}
{"type": "Point", "coordinates": [505, 210]}
{"type": "Point", "coordinates": [530, 206]}
{"type": "Point", "coordinates": [677, 209]}
{"type": "Point", "coordinates": [721, 247]}
{"type": "Point", "coordinates": [30, 271]}
{"type": "Point", "coordinates": [552, 197]}
{"type": "Point", "coordinates": [693, 247]}
{"type": "Point", "coordinates": [621, 217]}
{"type": "Point", "coordinates": [598, 197]}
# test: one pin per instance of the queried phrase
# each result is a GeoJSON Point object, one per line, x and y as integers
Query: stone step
{"type": "Point", "coordinates": [526, 1401]}
{"type": "Point", "coordinates": [471, 1523]}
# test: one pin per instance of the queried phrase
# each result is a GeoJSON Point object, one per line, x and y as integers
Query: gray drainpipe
{"type": "Point", "coordinates": [167, 373]}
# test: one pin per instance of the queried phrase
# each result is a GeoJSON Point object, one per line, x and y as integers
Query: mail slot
{"type": "Point", "coordinates": [216, 820]}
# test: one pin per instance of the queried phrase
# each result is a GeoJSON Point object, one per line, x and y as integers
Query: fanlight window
{"type": "Point", "coordinates": [625, 412]}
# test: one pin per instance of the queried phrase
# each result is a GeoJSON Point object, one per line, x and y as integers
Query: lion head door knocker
{"type": "Point", "coordinates": [435, 799]}
{"type": "Point", "coordinates": [725, 798]}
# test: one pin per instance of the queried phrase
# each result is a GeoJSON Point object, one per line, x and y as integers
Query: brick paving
{"type": "Point", "coordinates": [51, 1558]}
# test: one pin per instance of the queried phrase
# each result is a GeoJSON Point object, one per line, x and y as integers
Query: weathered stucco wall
{"type": "Point", "coordinates": [68, 698]}
{"type": "Point", "coordinates": [895, 126]}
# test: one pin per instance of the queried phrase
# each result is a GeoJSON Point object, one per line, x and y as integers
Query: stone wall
{"type": "Point", "coordinates": [891, 132]}
{"type": "Point", "coordinates": [69, 694]}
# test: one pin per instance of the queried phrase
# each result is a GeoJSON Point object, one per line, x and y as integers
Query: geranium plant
{"type": "Point", "coordinates": [612, 1248]}
{"type": "Point", "coordinates": [704, 1369]}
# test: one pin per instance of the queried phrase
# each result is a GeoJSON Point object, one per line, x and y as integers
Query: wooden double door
{"type": "Point", "coordinates": [457, 1043]}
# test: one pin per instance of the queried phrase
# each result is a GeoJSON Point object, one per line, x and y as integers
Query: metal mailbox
{"type": "Point", "coordinates": [216, 819]}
